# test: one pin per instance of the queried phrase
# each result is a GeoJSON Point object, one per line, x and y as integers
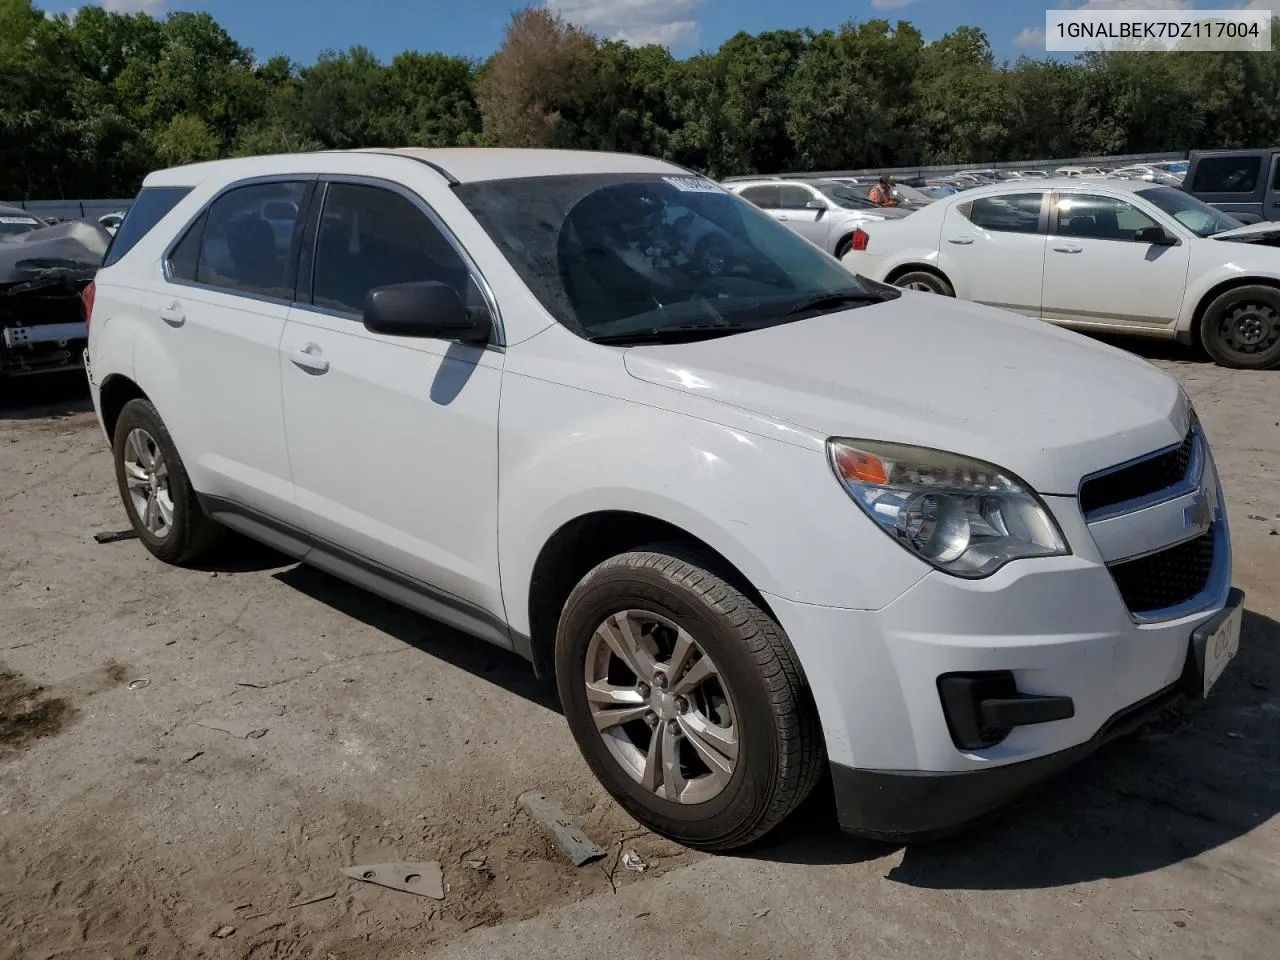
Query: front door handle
{"type": "Point", "coordinates": [173, 314]}
{"type": "Point", "coordinates": [960, 241]}
{"type": "Point", "coordinates": [1068, 249]}
{"type": "Point", "coordinates": [782, 216]}
{"type": "Point", "coordinates": [310, 358]}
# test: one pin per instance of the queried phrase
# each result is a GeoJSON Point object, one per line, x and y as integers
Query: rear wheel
{"type": "Point", "coordinates": [1241, 328]}
{"type": "Point", "coordinates": [925, 282]}
{"type": "Point", "coordinates": [156, 491]}
{"type": "Point", "coordinates": [686, 700]}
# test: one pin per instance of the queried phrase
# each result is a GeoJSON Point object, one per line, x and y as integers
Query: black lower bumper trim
{"type": "Point", "coordinates": [910, 805]}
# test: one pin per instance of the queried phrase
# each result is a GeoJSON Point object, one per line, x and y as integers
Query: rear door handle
{"type": "Point", "coordinates": [173, 314]}
{"type": "Point", "coordinates": [960, 241]}
{"type": "Point", "coordinates": [1066, 249]}
{"type": "Point", "coordinates": [310, 358]}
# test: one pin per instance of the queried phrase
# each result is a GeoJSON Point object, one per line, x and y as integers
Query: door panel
{"type": "Point", "coordinates": [1095, 272]}
{"type": "Point", "coordinates": [813, 225]}
{"type": "Point", "coordinates": [221, 305]}
{"type": "Point", "coordinates": [993, 250]}
{"type": "Point", "coordinates": [393, 440]}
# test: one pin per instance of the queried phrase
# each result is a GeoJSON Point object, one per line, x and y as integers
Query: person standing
{"type": "Point", "coordinates": [882, 194]}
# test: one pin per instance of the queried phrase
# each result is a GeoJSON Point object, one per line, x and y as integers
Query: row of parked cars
{"type": "Point", "coordinates": [1129, 252]}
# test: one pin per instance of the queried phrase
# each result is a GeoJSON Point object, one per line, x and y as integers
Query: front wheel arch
{"type": "Point", "coordinates": [903, 269]}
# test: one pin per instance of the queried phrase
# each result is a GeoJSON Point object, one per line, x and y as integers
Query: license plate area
{"type": "Point", "coordinates": [1214, 645]}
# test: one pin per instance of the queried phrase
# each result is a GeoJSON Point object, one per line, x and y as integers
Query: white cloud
{"type": "Point", "coordinates": [1272, 5]}
{"type": "Point", "coordinates": [889, 4]}
{"type": "Point", "coordinates": [1032, 38]}
{"type": "Point", "coordinates": [133, 6]}
{"type": "Point", "coordinates": [638, 22]}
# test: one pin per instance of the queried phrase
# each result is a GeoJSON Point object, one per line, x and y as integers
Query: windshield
{"type": "Point", "coordinates": [656, 258]}
{"type": "Point", "coordinates": [843, 195]}
{"type": "Point", "coordinates": [1196, 215]}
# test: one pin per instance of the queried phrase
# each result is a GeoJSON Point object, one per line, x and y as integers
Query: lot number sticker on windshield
{"type": "Point", "coordinates": [692, 184]}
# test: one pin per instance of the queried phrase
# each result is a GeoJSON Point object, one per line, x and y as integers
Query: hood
{"type": "Point", "coordinates": [1049, 405]}
{"type": "Point", "coordinates": [74, 249]}
{"type": "Point", "coordinates": [1267, 230]}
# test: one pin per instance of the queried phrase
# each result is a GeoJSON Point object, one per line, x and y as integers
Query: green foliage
{"type": "Point", "coordinates": [92, 103]}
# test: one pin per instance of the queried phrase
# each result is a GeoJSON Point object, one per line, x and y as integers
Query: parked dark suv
{"type": "Point", "coordinates": [1243, 183]}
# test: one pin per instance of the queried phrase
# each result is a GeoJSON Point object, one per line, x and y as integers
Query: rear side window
{"type": "Point", "coordinates": [766, 198]}
{"type": "Point", "coordinates": [1230, 174]}
{"type": "Point", "coordinates": [149, 208]}
{"type": "Point", "coordinates": [370, 237]}
{"type": "Point", "coordinates": [1009, 213]}
{"type": "Point", "coordinates": [235, 246]}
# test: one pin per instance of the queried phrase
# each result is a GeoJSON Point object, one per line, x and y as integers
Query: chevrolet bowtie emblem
{"type": "Point", "coordinates": [1199, 515]}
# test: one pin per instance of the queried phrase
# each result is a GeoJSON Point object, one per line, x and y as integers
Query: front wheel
{"type": "Point", "coordinates": [1241, 328]}
{"type": "Point", "coordinates": [925, 282]}
{"type": "Point", "coordinates": [687, 700]}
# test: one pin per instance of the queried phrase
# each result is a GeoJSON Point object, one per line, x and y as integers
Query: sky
{"type": "Point", "coordinates": [301, 29]}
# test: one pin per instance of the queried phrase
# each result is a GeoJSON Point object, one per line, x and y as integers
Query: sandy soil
{"type": "Point", "coordinates": [129, 829]}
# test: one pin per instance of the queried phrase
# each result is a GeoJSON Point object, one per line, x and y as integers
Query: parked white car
{"type": "Point", "coordinates": [1072, 172]}
{"type": "Point", "coordinates": [1106, 255]}
{"type": "Point", "coordinates": [824, 212]}
{"type": "Point", "coordinates": [746, 545]}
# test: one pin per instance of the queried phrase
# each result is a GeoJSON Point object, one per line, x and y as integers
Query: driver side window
{"type": "Point", "coordinates": [1100, 218]}
{"type": "Point", "coordinates": [796, 197]}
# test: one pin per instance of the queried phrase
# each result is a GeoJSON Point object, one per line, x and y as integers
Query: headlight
{"type": "Point", "coordinates": [966, 517]}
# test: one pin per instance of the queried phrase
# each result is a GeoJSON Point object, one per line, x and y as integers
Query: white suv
{"type": "Point", "coordinates": [749, 518]}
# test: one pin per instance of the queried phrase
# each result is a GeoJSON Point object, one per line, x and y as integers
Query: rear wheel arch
{"type": "Point", "coordinates": [115, 392]}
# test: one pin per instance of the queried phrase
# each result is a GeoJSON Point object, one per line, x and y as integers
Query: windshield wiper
{"type": "Point", "coordinates": [830, 301]}
{"type": "Point", "coordinates": [684, 334]}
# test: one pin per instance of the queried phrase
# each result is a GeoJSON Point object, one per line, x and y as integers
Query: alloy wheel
{"type": "Point", "coordinates": [147, 479]}
{"type": "Point", "coordinates": [662, 707]}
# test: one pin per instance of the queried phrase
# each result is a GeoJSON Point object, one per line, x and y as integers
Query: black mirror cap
{"type": "Point", "coordinates": [1157, 235]}
{"type": "Point", "coordinates": [427, 309]}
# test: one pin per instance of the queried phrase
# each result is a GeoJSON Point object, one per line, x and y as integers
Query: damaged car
{"type": "Point", "coordinates": [43, 271]}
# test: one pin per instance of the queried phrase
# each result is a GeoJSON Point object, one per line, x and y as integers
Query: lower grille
{"type": "Point", "coordinates": [1165, 579]}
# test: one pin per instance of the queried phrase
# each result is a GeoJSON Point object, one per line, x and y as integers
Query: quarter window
{"type": "Point", "coordinates": [1006, 213]}
{"type": "Point", "coordinates": [371, 237]}
{"type": "Point", "coordinates": [1100, 218]}
{"type": "Point", "coordinates": [1229, 174]}
{"type": "Point", "coordinates": [236, 246]}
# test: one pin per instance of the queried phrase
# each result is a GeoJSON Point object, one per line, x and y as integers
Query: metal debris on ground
{"type": "Point", "coordinates": [139, 683]}
{"type": "Point", "coordinates": [223, 932]}
{"type": "Point", "coordinates": [634, 862]}
{"type": "Point", "coordinates": [424, 879]}
{"type": "Point", "coordinates": [318, 898]}
{"type": "Point", "coordinates": [114, 536]}
{"type": "Point", "coordinates": [761, 913]}
{"type": "Point", "coordinates": [238, 730]}
{"type": "Point", "coordinates": [575, 844]}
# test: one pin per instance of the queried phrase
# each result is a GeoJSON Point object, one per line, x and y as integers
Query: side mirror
{"type": "Point", "coordinates": [816, 204]}
{"type": "Point", "coordinates": [1156, 235]}
{"type": "Point", "coordinates": [427, 309]}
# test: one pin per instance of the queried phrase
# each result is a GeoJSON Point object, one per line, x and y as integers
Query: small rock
{"type": "Point", "coordinates": [259, 733]}
{"type": "Point", "coordinates": [1179, 923]}
{"type": "Point", "coordinates": [1254, 516]}
{"type": "Point", "coordinates": [191, 756]}
{"type": "Point", "coordinates": [633, 862]}
{"type": "Point", "coordinates": [223, 932]}
{"type": "Point", "coordinates": [761, 913]}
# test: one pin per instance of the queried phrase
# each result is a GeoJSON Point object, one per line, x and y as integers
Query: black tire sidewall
{"type": "Point", "coordinates": [141, 414]}
{"type": "Point", "coordinates": [939, 286]}
{"type": "Point", "coordinates": [1213, 315]}
{"type": "Point", "coordinates": [746, 798]}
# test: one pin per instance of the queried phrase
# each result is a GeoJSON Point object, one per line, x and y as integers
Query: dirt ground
{"type": "Point", "coordinates": [131, 826]}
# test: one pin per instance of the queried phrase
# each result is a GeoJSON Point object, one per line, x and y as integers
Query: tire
{"type": "Point", "coordinates": [926, 282]}
{"type": "Point", "coordinates": [177, 531]}
{"type": "Point", "coordinates": [741, 674]}
{"type": "Point", "coordinates": [1241, 328]}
